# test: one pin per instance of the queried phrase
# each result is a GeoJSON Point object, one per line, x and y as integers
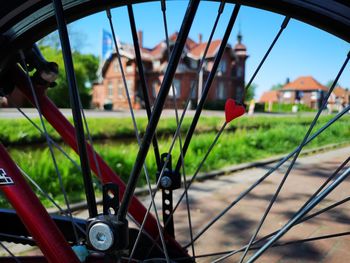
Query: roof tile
{"type": "Point", "coordinates": [307, 83]}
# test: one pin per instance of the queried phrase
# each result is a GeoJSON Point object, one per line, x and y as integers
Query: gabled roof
{"type": "Point", "coordinates": [194, 50]}
{"type": "Point", "coordinates": [199, 49]}
{"type": "Point", "coordinates": [269, 96]}
{"type": "Point", "coordinates": [340, 92]}
{"type": "Point", "coordinates": [189, 42]}
{"type": "Point", "coordinates": [306, 83]}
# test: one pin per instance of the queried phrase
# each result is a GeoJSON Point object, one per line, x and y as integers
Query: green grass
{"type": "Point", "coordinates": [21, 132]}
{"type": "Point", "coordinates": [245, 140]}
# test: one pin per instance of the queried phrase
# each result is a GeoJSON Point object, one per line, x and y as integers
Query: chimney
{"type": "Point", "coordinates": [200, 37]}
{"type": "Point", "coordinates": [287, 80]}
{"type": "Point", "coordinates": [140, 37]}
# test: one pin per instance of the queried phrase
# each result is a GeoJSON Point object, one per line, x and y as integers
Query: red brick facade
{"type": "Point", "coordinates": [228, 83]}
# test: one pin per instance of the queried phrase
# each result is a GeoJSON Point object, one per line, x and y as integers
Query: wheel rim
{"type": "Point", "coordinates": [338, 17]}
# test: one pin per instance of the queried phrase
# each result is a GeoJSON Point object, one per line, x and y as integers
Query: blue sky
{"type": "Point", "coordinates": [302, 50]}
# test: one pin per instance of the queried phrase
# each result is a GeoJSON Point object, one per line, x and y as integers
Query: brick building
{"type": "Point", "coordinates": [229, 81]}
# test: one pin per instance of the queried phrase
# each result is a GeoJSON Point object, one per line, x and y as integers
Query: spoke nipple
{"type": "Point", "coordinates": [285, 22]}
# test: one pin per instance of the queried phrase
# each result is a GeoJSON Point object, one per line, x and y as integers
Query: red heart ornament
{"type": "Point", "coordinates": [233, 111]}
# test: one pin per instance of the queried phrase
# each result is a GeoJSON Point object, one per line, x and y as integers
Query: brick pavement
{"type": "Point", "coordinates": [208, 198]}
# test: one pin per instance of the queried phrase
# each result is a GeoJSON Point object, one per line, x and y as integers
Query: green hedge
{"type": "Point", "coordinates": [280, 107]}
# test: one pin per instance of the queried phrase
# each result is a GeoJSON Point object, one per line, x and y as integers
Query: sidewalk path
{"type": "Point", "coordinates": [209, 197]}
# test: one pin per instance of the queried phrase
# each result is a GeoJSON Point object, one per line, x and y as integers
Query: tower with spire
{"type": "Point", "coordinates": [238, 69]}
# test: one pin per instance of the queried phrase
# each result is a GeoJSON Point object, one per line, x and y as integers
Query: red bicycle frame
{"type": "Point", "coordinates": [27, 205]}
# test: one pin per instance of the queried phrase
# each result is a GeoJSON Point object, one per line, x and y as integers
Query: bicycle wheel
{"type": "Point", "coordinates": [107, 236]}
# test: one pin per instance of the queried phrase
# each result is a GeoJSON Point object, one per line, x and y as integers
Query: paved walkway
{"type": "Point", "coordinates": [208, 198]}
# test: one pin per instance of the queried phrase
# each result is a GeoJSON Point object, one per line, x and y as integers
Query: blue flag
{"type": "Point", "coordinates": [107, 45]}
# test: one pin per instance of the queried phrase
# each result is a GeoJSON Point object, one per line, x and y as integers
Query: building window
{"type": "Point", "coordinates": [239, 94]}
{"type": "Point", "coordinates": [130, 85]}
{"type": "Point", "coordinates": [193, 89]}
{"type": "Point", "coordinates": [129, 67]}
{"type": "Point", "coordinates": [287, 95]}
{"type": "Point", "coordinates": [220, 91]}
{"type": "Point", "coordinates": [155, 88]}
{"type": "Point", "coordinates": [299, 95]}
{"type": "Point", "coordinates": [222, 66]}
{"type": "Point", "coordinates": [120, 89]}
{"type": "Point", "coordinates": [239, 72]}
{"type": "Point", "coordinates": [156, 64]}
{"type": "Point", "coordinates": [193, 64]}
{"type": "Point", "coordinates": [314, 95]}
{"type": "Point", "coordinates": [110, 89]}
{"type": "Point", "coordinates": [177, 87]}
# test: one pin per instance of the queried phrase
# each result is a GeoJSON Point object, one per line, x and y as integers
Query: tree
{"type": "Point", "coordinates": [330, 83]}
{"type": "Point", "coordinates": [85, 67]}
{"type": "Point", "coordinates": [251, 92]}
{"type": "Point", "coordinates": [277, 86]}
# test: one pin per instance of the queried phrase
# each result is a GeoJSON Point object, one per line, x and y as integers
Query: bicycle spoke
{"type": "Point", "coordinates": [201, 62]}
{"type": "Point", "coordinates": [233, 252]}
{"type": "Point", "coordinates": [268, 173]}
{"type": "Point", "coordinates": [305, 204]}
{"type": "Point", "coordinates": [94, 156]}
{"type": "Point", "coordinates": [287, 243]}
{"type": "Point", "coordinates": [74, 98]}
{"type": "Point", "coordinates": [212, 73]}
{"type": "Point", "coordinates": [164, 90]}
{"type": "Point", "coordinates": [181, 119]}
{"type": "Point", "coordinates": [300, 214]}
{"type": "Point", "coordinates": [37, 105]}
{"type": "Point", "coordinates": [283, 26]}
{"type": "Point", "coordinates": [9, 252]}
{"type": "Point", "coordinates": [279, 188]}
{"type": "Point", "coordinates": [208, 83]}
{"type": "Point", "coordinates": [57, 146]}
{"type": "Point", "coordinates": [198, 169]}
{"type": "Point", "coordinates": [163, 7]}
{"type": "Point", "coordinates": [50, 198]}
{"type": "Point", "coordinates": [109, 16]}
{"type": "Point", "coordinates": [142, 79]}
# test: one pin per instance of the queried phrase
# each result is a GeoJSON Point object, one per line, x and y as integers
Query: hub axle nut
{"type": "Point", "coordinates": [101, 236]}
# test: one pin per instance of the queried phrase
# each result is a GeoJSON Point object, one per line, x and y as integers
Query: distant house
{"type": "Point", "coordinates": [307, 91]}
{"type": "Point", "coordinates": [229, 81]}
{"type": "Point", "coordinates": [341, 96]}
{"type": "Point", "coordinates": [270, 97]}
{"type": "Point", "coordinates": [304, 90]}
